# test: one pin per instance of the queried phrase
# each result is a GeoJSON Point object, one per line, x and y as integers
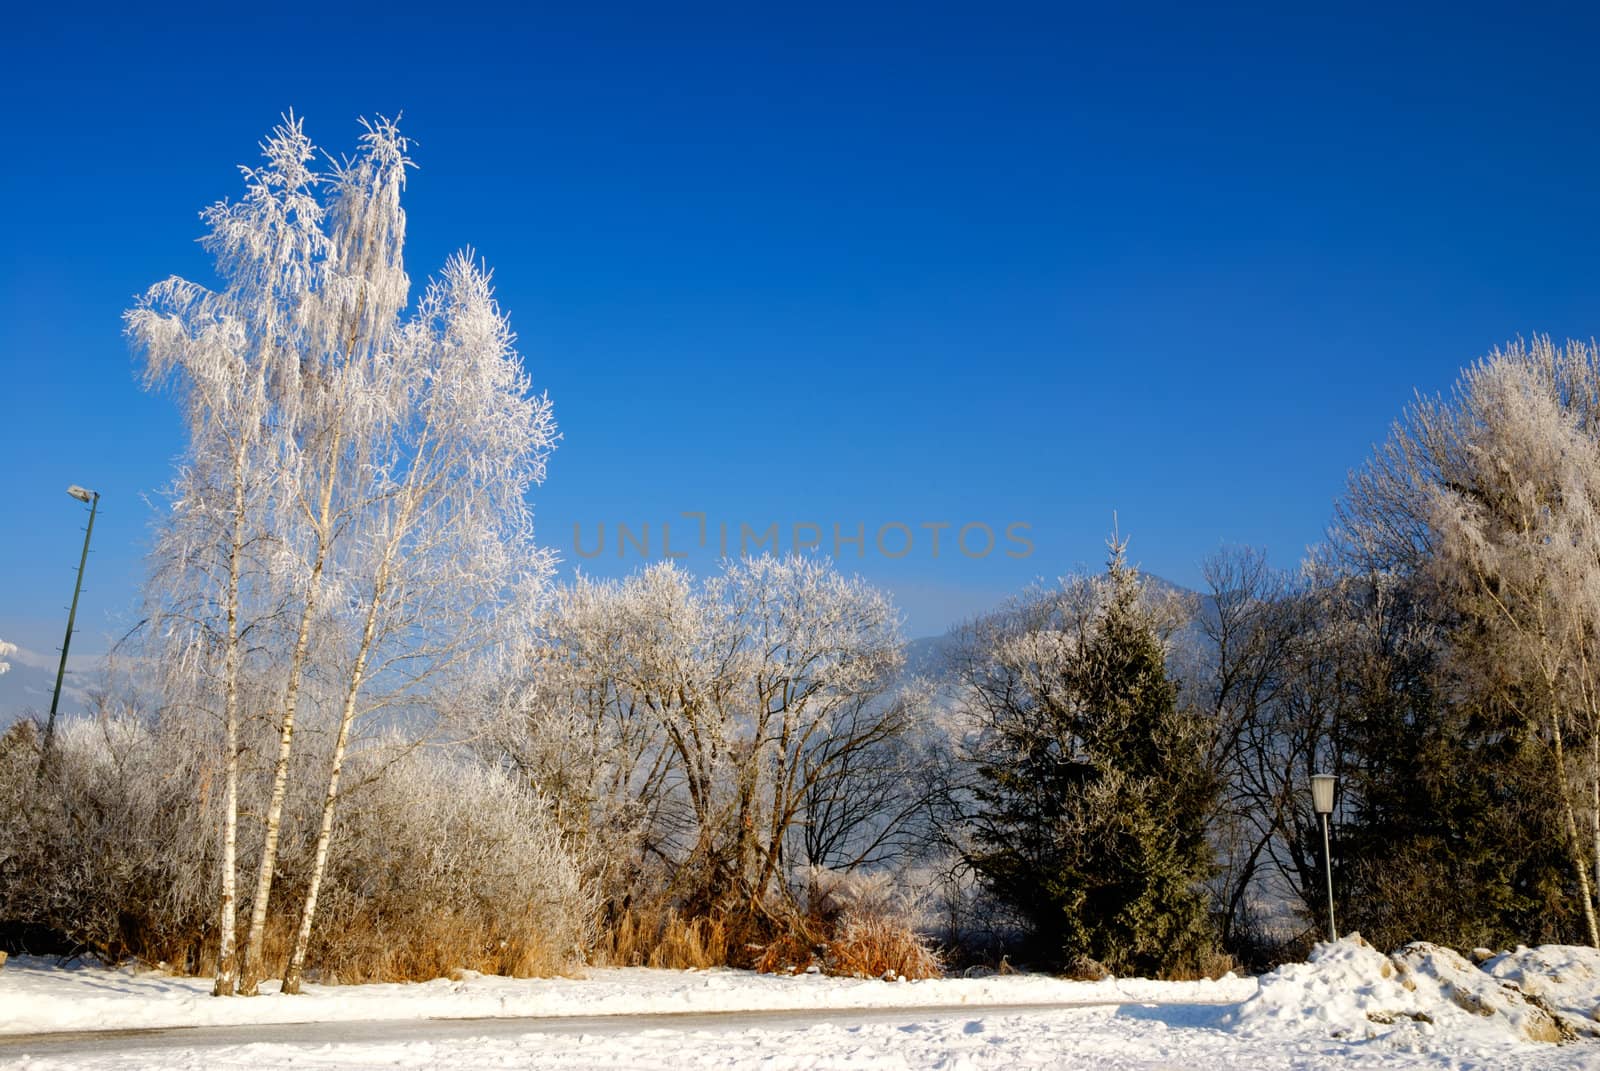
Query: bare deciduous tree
{"type": "Point", "coordinates": [718, 713]}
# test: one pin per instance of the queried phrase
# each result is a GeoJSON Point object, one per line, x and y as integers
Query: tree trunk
{"type": "Point", "coordinates": [297, 959]}
{"type": "Point", "coordinates": [250, 981]}
{"type": "Point", "coordinates": [1575, 842]}
{"type": "Point", "coordinates": [302, 940]}
{"type": "Point", "coordinates": [227, 966]}
{"type": "Point", "coordinates": [1594, 797]}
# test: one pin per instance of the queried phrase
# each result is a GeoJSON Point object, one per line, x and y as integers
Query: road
{"type": "Point", "coordinates": [126, 1042]}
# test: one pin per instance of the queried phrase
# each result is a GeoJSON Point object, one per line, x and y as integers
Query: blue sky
{"type": "Point", "coordinates": [839, 265]}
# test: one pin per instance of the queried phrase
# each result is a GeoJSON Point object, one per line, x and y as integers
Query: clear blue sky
{"type": "Point", "coordinates": [839, 264]}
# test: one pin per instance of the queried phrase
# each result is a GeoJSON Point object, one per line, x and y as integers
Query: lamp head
{"type": "Point", "coordinates": [1322, 792]}
{"type": "Point", "coordinates": [82, 494]}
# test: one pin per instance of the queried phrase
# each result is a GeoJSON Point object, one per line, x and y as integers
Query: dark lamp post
{"type": "Point", "coordinates": [82, 494]}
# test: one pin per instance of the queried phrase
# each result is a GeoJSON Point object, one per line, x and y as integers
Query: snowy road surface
{"type": "Point", "coordinates": [80, 1045]}
{"type": "Point", "coordinates": [1346, 1009]}
{"type": "Point", "coordinates": [1108, 1036]}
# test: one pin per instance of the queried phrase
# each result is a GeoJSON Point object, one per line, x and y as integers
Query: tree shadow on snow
{"type": "Point", "coordinates": [1187, 1016]}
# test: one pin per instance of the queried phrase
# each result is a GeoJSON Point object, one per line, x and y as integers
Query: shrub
{"type": "Point", "coordinates": [664, 939]}
{"type": "Point", "coordinates": [439, 863]}
{"type": "Point", "coordinates": [444, 865]}
{"type": "Point", "coordinates": [855, 925]}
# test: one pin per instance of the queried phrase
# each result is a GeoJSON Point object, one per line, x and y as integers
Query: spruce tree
{"type": "Point", "coordinates": [1092, 787]}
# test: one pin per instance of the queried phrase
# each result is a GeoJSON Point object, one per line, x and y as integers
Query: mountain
{"type": "Point", "coordinates": [26, 687]}
{"type": "Point", "coordinates": [929, 656]}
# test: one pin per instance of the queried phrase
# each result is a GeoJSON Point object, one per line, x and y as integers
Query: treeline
{"type": "Point", "coordinates": [361, 734]}
{"type": "Point", "coordinates": [1104, 774]}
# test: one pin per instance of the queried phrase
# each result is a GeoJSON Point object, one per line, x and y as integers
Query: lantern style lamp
{"type": "Point", "coordinates": [1322, 786]}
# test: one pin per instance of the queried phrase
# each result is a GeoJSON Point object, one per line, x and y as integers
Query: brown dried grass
{"type": "Point", "coordinates": [853, 945]}
{"type": "Point", "coordinates": [665, 940]}
{"type": "Point", "coordinates": [876, 946]}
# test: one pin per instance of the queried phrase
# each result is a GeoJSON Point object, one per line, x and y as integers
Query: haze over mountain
{"type": "Point", "coordinates": [25, 688]}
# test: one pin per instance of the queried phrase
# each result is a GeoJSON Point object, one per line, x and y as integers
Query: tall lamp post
{"type": "Point", "coordinates": [82, 494]}
{"type": "Point", "coordinates": [1322, 799]}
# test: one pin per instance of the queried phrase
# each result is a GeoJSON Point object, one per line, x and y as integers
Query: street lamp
{"type": "Point", "coordinates": [82, 494]}
{"type": "Point", "coordinates": [1322, 799]}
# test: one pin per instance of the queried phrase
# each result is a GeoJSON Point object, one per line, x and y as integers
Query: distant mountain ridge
{"type": "Point", "coordinates": [25, 689]}
{"type": "Point", "coordinates": [929, 656]}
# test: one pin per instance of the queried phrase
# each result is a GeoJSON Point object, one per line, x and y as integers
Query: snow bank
{"type": "Point", "coordinates": [1418, 998]}
{"type": "Point", "coordinates": [1439, 974]}
{"type": "Point", "coordinates": [1348, 989]}
{"type": "Point", "coordinates": [1422, 1005]}
{"type": "Point", "coordinates": [1565, 976]}
{"type": "Point", "coordinates": [37, 996]}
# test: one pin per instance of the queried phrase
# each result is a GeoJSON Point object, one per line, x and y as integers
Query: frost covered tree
{"type": "Point", "coordinates": [710, 713]}
{"type": "Point", "coordinates": [360, 474]}
{"type": "Point", "coordinates": [231, 357]}
{"type": "Point", "coordinates": [350, 310]}
{"type": "Point", "coordinates": [1492, 496]}
{"type": "Point", "coordinates": [1087, 813]}
{"type": "Point", "coordinates": [438, 571]}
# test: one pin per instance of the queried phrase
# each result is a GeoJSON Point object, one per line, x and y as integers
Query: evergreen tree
{"type": "Point", "coordinates": [1092, 787]}
{"type": "Point", "coordinates": [1448, 828]}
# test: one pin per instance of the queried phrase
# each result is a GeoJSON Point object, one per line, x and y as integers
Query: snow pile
{"type": "Point", "coordinates": [1567, 977]}
{"type": "Point", "coordinates": [1348, 989]}
{"type": "Point", "coordinates": [1438, 973]}
{"type": "Point", "coordinates": [1420, 994]}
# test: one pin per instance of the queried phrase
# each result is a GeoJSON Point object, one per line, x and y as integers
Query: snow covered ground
{"type": "Point", "coordinates": [37, 996]}
{"type": "Point", "coordinates": [1351, 1006]}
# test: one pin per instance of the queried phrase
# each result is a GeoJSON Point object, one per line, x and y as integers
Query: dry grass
{"type": "Point", "coordinates": [435, 946]}
{"type": "Point", "coordinates": [863, 944]}
{"type": "Point", "coordinates": [664, 940]}
{"type": "Point", "coordinates": [791, 953]}
{"type": "Point", "coordinates": [875, 947]}
{"type": "Point", "coordinates": [1083, 968]}
{"type": "Point", "coordinates": [851, 946]}
{"type": "Point", "coordinates": [864, 925]}
{"type": "Point", "coordinates": [1210, 964]}
{"type": "Point", "coordinates": [367, 946]}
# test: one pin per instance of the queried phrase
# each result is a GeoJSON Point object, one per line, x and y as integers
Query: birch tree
{"type": "Point", "coordinates": [351, 317]}
{"type": "Point", "coordinates": [381, 464]}
{"type": "Point", "coordinates": [1493, 494]}
{"type": "Point", "coordinates": [226, 354]}
{"type": "Point", "coordinates": [440, 573]}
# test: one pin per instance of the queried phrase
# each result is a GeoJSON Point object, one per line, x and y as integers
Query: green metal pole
{"type": "Point", "coordinates": [72, 614]}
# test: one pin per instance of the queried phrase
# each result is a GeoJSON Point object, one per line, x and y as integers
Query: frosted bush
{"type": "Point", "coordinates": [453, 865]}
{"type": "Point", "coordinates": [439, 862]}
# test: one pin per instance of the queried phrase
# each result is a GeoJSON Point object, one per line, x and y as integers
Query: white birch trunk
{"type": "Point", "coordinates": [250, 980]}
{"type": "Point", "coordinates": [302, 941]}
{"type": "Point", "coordinates": [1573, 839]}
{"type": "Point", "coordinates": [227, 965]}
